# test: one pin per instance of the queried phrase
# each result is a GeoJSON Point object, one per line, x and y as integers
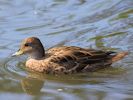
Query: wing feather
{"type": "Point", "coordinates": [72, 56]}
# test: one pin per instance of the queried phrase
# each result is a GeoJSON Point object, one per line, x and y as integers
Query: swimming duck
{"type": "Point", "coordinates": [65, 59]}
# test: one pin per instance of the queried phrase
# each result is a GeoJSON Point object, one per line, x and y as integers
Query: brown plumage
{"type": "Point", "coordinates": [65, 59]}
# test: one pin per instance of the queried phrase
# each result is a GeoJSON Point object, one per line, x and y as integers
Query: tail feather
{"type": "Point", "coordinates": [119, 56]}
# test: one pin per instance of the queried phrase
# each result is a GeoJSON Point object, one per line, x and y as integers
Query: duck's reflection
{"type": "Point", "coordinates": [33, 82]}
{"type": "Point", "coordinates": [32, 85]}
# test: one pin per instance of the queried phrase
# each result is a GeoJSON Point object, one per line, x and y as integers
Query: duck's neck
{"type": "Point", "coordinates": [38, 54]}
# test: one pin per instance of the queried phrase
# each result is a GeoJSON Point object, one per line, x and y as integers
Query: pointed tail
{"type": "Point", "coordinates": [119, 56]}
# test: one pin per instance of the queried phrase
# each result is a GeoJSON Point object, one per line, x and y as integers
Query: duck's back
{"type": "Point", "coordinates": [77, 59]}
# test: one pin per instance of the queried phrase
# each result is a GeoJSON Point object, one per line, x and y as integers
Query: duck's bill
{"type": "Point", "coordinates": [17, 53]}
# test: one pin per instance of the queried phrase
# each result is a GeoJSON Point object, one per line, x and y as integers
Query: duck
{"type": "Point", "coordinates": [65, 59]}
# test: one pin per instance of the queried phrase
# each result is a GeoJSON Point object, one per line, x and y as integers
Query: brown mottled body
{"type": "Point", "coordinates": [66, 59]}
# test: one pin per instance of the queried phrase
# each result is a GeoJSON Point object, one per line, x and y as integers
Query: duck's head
{"type": "Point", "coordinates": [31, 46]}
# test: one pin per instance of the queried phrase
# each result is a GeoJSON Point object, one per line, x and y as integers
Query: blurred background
{"type": "Point", "coordinates": [100, 24]}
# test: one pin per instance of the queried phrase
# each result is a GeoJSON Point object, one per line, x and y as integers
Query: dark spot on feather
{"type": "Point", "coordinates": [69, 57]}
{"type": "Point", "coordinates": [53, 60]}
{"type": "Point", "coordinates": [110, 52]}
{"type": "Point", "coordinates": [62, 60]}
{"type": "Point", "coordinates": [79, 54]}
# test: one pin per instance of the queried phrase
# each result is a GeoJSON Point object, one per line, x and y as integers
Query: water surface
{"type": "Point", "coordinates": [101, 24]}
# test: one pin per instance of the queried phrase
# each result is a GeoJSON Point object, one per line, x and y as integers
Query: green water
{"type": "Point", "coordinates": [101, 24]}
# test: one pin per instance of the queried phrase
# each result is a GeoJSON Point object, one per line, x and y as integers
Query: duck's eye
{"type": "Point", "coordinates": [27, 44]}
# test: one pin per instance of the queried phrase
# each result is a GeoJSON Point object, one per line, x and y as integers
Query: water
{"type": "Point", "coordinates": [102, 24]}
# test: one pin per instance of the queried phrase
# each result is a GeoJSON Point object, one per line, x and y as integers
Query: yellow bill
{"type": "Point", "coordinates": [19, 52]}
